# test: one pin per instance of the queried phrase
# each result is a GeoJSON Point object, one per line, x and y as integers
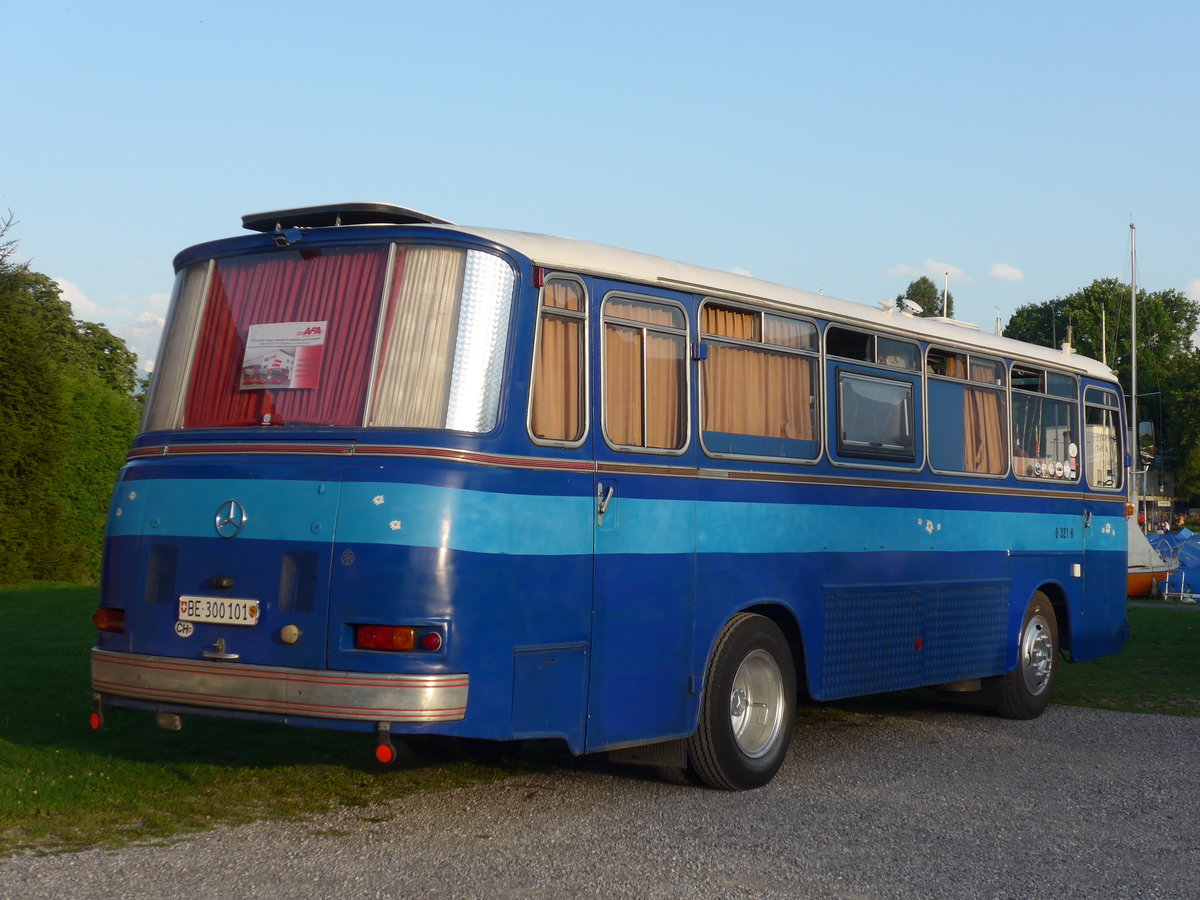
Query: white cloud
{"type": "Point", "coordinates": [932, 269]}
{"type": "Point", "coordinates": [1192, 289]}
{"type": "Point", "coordinates": [81, 306]}
{"type": "Point", "coordinates": [1005, 272]}
{"type": "Point", "coordinates": [138, 322]}
{"type": "Point", "coordinates": [144, 333]}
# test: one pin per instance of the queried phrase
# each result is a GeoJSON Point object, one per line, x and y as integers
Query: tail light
{"type": "Point", "coordinates": [384, 637]}
{"type": "Point", "coordinates": [431, 641]}
{"type": "Point", "coordinates": [397, 638]}
{"type": "Point", "coordinates": [108, 618]}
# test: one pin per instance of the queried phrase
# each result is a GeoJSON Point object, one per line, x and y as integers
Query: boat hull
{"type": "Point", "coordinates": [1145, 582]}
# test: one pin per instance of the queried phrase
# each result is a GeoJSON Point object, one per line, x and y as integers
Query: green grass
{"type": "Point", "coordinates": [1158, 672]}
{"type": "Point", "coordinates": [64, 787]}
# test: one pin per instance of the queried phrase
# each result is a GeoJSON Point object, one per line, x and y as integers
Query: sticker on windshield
{"type": "Point", "coordinates": [283, 355]}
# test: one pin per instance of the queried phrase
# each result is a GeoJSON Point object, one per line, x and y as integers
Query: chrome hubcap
{"type": "Point", "coordinates": [1037, 655]}
{"type": "Point", "coordinates": [756, 704]}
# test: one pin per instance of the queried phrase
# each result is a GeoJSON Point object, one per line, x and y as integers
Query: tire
{"type": "Point", "coordinates": [684, 777]}
{"type": "Point", "coordinates": [748, 709]}
{"type": "Point", "coordinates": [1025, 692]}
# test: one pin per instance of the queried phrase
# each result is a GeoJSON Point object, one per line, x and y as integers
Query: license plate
{"type": "Point", "coordinates": [220, 610]}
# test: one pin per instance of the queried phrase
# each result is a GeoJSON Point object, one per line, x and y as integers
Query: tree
{"type": "Point", "coordinates": [31, 440]}
{"type": "Point", "coordinates": [67, 416]}
{"type": "Point", "coordinates": [1098, 318]}
{"type": "Point", "coordinates": [926, 295]}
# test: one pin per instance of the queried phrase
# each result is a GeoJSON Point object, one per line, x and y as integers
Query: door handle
{"type": "Point", "coordinates": [603, 498]}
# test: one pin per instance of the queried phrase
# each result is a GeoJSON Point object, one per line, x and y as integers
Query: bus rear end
{"type": "Point", "coordinates": [252, 527]}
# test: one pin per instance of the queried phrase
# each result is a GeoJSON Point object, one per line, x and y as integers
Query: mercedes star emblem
{"type": "Point", "coordinates": [230, 519]}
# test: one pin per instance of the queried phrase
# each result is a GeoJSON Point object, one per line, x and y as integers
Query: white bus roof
{"type": "Point", "coordinates": [583, 257]}
{"type": "Point", "coordinates": [570, 255]}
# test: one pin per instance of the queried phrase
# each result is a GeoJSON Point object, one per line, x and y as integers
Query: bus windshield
{"type": "Point", "coordinates": [390, 336]}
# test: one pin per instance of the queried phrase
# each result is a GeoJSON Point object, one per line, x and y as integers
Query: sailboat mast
{"type": "Point", "coordinates": [1137, 450]}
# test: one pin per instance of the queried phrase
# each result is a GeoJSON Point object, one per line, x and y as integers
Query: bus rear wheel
{"type": "Point", "coordinates": [1025, 692]}
{"type": "Point", "coordinates": [748, 709]}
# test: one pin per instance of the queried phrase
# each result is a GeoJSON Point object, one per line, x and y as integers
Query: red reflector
{"type": "Point", "coordinates": [96, 721]}
{"type": "Point", "coordinates": [432, 641]}
{"type": "Point", "coordinates": [109, 619]}
{"type": "Point", "coordinates": [539, 276]}
{"type": "Point", "coordinates": [384, 637]}
{"type": "Point", "coordinates": [385, 753]}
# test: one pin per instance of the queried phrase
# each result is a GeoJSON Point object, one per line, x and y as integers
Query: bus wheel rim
{"type": "Point", "coordinates": [1037, 655]}
{"type": "Point", "coordinates": [756, 704]}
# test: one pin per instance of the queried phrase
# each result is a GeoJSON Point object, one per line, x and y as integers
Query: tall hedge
{"type": "Point", "coordinates": [67, 417]}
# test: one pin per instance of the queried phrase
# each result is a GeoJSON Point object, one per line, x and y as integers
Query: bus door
{"type": "Point", "coordinates": [640, 682]}
{"type": "Point", "coordinates": [1105, 542]}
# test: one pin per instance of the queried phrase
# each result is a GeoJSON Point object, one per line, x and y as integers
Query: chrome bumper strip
{"type": "Point", "coordinates": [281, 691]}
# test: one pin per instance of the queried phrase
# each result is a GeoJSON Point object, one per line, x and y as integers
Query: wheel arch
{"type": "Point", "coordinates": [1060, 603]}
{"type": "Point", "coordinates": [783, 617]}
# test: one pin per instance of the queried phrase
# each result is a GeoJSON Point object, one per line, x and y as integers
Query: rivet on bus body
{"type": "Point", "coordinates": [154, 523]}
{"type": "Point", "coordinates": [316, 527]}
{"type": "Point", "coordinates": [320, 488]}
{"type": "Point", "coordinates": [289, 634]}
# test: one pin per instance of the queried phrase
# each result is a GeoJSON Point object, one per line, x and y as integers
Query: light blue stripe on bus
{"type": "Point", "coordinates": [418, 515]}
{"type": "Point", "coordinates": [779, 528]}
{"type": "Point", "coordinates": [519, 524]}
{"type": "Point", "coordinates": [187, 507]}
{"type": "Point", "coordinates": [402, 514]}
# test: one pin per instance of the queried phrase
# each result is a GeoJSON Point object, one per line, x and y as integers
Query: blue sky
{"type": "Point", "coordinates": [843, 147]}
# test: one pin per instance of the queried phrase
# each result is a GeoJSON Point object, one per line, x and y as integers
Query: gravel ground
{"type": "Point", "coordinates": [930, 803]}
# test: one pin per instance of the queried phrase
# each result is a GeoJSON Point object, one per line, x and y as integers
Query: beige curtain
{"type": "Point", "coordinates": [789, 333]}
{"type": "Point", "coordinates": [664, 390]}
{"type": "Point", "coordinates": [557, 410]}
{"type": "Point", "coordinates": [733, 323]}
{"type": "Point", "coordinates": [755, 391]}
{"type": "Point", "coordinates": [645, 376]}
{"type": "Point", "coordinates": [623, 389]}
{"type": "Point", "coordinates": [650, 314]}
{"type": "Point", "coordinates": [983, 426]}
{"type": "Point", "coordinates": [758, 392]}
{"type": "Point", "coordinates": [417, 359]}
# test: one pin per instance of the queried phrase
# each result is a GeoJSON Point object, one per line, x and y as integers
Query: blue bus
{"type": "Point", "coordinates": [458, 485]}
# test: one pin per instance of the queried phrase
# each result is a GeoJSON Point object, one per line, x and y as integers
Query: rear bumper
{"type": "Point", "coordinates": [279, 691]}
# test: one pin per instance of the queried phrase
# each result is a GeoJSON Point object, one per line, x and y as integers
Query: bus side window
{"type": "Point", "coordinates": [875, 417]}
{"type": "Point", "coordinates": [758, 384]}
{"type": "Point", "coordinates": [1102, 440]}
{"type": "Point", "coordinates": [966, 418]}
{"type": "Point", "coordinates": [558, 407]}
{"type": "Point", "coordinates": [1045, 422]}
{"type": "Point", "coordinates": [645, 374]}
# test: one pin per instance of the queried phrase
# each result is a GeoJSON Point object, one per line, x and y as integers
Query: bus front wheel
{"type": "Point", "coordinates": [748, 708]}
{"type": "Point", "coordinates": [1024, 693]}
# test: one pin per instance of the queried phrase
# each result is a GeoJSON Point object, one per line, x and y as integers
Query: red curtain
{"type": "Point", "coordinates": [341, 287]}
